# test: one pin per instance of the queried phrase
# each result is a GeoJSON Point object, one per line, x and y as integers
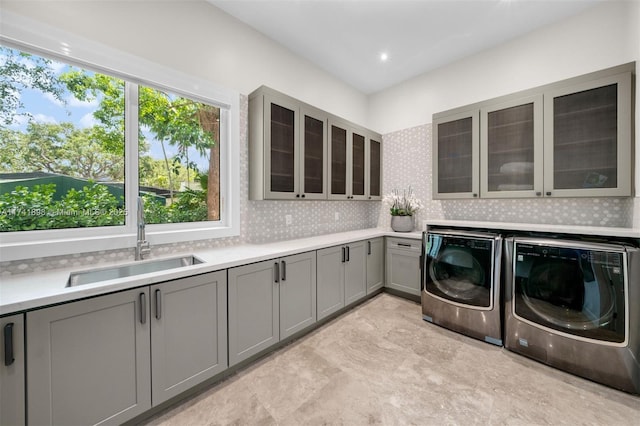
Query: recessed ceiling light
{"type": "Point", "coordinates": [384, 56]}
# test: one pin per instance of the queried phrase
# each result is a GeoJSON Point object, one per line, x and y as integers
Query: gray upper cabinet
{"type": "Point", "coordinates": [355, 162]}
{"type": "Point", "coordinates": [188, 333]}
{"type": "Point", "coordinates": [274, 149]}
{"type": "Point", "coordinates": [456, 155]}
{"type": "Point", "coordinates": [12, 373]}
{"type": "Point", "coordinates": [374, 167]}
{"type": "Point", "coordinates": [88, 361]}
{"type": "Point", "coordinates": [375, 264]}
{"type": "Point", "coordinates": [269, 301]}
{"type": "Point", "coordinates": [313, 153]}
{"type": "Point", "coordinates": [587, 138]}
{"type": "Point", "coordinates": [340, 154]}
{"type": "Point", "coordinates": [511, 146]}
{"type": "Point", "coordinates": [358, 160]}
{"type": "Point", "coordinates": [298, 152]}
{"type": "Point", "coordinates": [567, 139]}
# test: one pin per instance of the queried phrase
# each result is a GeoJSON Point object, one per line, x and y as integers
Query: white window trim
{"type": "Point", "coordinates": [27, 34]}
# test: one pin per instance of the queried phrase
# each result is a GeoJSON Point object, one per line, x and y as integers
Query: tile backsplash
{"type": "Point", "coordinates": [408, 159]}
{"type": "Point", "coordinates": [260, 222]}
{"type": "Point", "coordinates": [407, 162]}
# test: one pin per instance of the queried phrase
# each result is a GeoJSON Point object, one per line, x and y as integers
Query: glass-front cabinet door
{"type": "Point", "coordinates": [587, 143]}
{"type": "Point", "coordinates": [313, 154]}
{"type": "Point", "coordinates": [511, 156]}
{"type": "Point", "coordinates": [338, 150]}
{"type": "Point", "coordinates": [374, 155]}
{"type": "Point", "coordinates": [358, 165]}
{"type": "Point", "coordinates": [281, 148]}
{"type": "Point", "coordinates": [456, 155]}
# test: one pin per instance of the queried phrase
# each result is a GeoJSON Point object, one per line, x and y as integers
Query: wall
{"type": "Point", "coordinates": [195, 37]}
{"type": "Point", "coordinates": [260, 222]}
{"type": "Point", "coordinates": [407, 151]}
{"type": "Point", "coordinates": [601, 37]}
{"type": "Point", "coordinates": [198, 39]}
{"type": "Point", "coordinates": [209, 44]}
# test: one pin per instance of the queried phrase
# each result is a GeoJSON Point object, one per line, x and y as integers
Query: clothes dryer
{"type": "Point", "coordinates": [575, 305]}
{"type": "Point", "coordinates": [461, 282]}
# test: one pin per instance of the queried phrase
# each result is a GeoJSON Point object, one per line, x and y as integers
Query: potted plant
{"type": "Point", "coordinates": [402, 207]}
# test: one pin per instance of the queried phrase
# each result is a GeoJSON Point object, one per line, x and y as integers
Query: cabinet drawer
{"type": "Point", "coordinates": [404, 244]}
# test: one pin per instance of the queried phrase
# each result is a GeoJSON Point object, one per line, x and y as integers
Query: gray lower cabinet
{"type": "Point", "coordinates": [297, 293]}
{"type": "Point", "coordinates": [355, 272]}
{"type": "Point", "coordinates": [403, 265]}
{"type": "Point", "coordinates": [375, 264]}
{"type": "Point", "coordinates": [188, 333]}
{"type": "Point", "coordinates": [12, 379]}
{"type": "Point", "coordinates": [110, 358]}
{"type": "Point", "coordinates": [341, 277]}
{"type": "Point", "coordinates": [269, 301]}
{"type": "Point", "coordinates": [88, 361]}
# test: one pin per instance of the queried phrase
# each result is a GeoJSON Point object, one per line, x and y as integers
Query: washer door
{"type": "Point", "coordinates": [460, 269]}
{"type": "Point", "coordinates": [573, 290]}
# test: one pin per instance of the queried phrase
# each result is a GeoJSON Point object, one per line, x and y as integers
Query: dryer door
{"type": "Point", "coordinates": [572, 289]}
{"type": "Point", "coordinates": [460, 270]}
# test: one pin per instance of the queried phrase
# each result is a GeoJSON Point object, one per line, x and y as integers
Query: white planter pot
{"type": "Point", "coordinates": [402, 223]}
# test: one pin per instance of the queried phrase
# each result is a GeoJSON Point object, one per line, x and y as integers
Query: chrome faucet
{"type": "Point", "coordinates": [142, 246]}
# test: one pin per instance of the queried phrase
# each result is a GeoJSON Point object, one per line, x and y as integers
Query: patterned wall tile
{"type": "Point", "coordinates": [260, 222]}
{"type": "Point", "coordinates": [407, 161]}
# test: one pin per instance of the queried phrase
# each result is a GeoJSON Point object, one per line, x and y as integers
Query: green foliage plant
{"type": "Point", "coordinates": [27, 209]}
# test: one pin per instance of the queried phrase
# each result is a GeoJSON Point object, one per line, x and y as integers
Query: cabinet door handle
{"type": "Point", "coordinates": [404, 244]}
{"type": "Point", "coordinates": [277, 272]}
{"type": "Point", "coordinates": [143, 308]}
{"type": "Point", "coordinates": [344, 251]}
{"type": "Point", "coordinates": [8, 344]}
{"type": "Point", "coordinates": [475, 195]}
{"type": "Point", "coordinates": [302, 195]}
{"type": "Point", "coordinates": [283, 277]}
{"type": "Point", "coordinates": [158, 304]}
{"type": "Point", "coordinates": [548, 193]}
{"type": "Point", "coordinates": [348, 253]}
{"type": "Point", "coordinates": [369, 248]}
{"type": "Point", "coordinates": [538, 194]}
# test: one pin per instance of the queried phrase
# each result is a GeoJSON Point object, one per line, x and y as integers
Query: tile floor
{"type": "Point", "coordinates": [381, 364]}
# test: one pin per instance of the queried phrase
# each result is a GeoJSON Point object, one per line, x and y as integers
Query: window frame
{"type": "Point", "coordinates": [37, 38]}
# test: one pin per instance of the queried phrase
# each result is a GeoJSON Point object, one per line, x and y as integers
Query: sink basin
{"type": "Point", "coordinates": [138, 268]}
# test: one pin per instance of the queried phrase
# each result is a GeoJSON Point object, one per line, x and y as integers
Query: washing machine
{"type": "Point", "coordinates": [575, 305]}
{"type": "Point", "coordinates": [461, 282]}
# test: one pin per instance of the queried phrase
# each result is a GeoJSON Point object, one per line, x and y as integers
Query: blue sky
{"type": "Point", "coordinates": [44, 108]}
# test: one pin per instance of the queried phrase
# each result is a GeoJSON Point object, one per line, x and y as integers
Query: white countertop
{"type": "Point", "coordinates": [33, 290]}
{"type": "Point", "coordinates": [560, 229]}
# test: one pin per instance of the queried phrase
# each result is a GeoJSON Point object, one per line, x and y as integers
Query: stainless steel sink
{"type": "Point", "coordinates": [138, 268]}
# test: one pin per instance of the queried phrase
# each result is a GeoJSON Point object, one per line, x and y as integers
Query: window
{"type": "Point", "coordinates": [79, 145]}
{"type": "Point", "coordinates": [179, 157]}
{"type": "Point", "coordinates": [61, 147]}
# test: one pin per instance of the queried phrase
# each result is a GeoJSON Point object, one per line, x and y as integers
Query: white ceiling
{"type": "Point", "coordinates": [347, 37]}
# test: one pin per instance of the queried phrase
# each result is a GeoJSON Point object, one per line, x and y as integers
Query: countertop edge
{"type": "Point", "coordinates": [562, 229]}
{"type": "Point", "coordinates": [28, 291]}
